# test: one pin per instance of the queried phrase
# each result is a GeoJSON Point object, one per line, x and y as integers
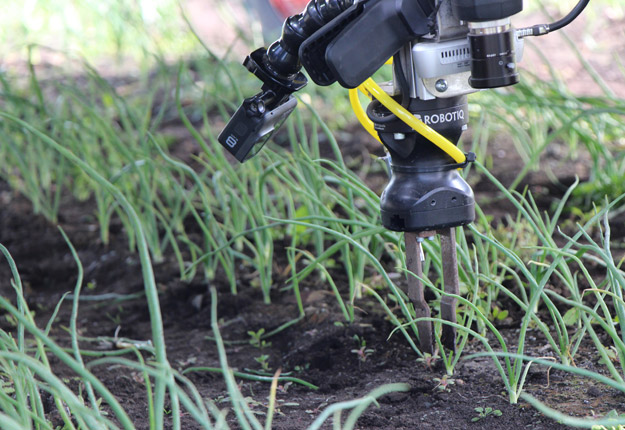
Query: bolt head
{"type": "Point", "coordinates": [441, 85]}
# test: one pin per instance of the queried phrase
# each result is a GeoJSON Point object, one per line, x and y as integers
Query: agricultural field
{"type": "Point", "coordinates": [149, 281]}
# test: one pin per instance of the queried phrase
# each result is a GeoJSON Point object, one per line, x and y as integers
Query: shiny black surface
{"type": "Point", "coordinates": [493, 60]}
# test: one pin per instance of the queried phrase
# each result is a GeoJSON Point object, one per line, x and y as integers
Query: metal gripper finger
{"type": "Point", "coordinates": [451, 282]}
{"type": "Point", "coordinates": [414, 261]}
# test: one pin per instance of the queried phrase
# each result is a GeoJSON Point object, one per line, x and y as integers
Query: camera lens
{"type": "Point", "coordinates": [493, 62]}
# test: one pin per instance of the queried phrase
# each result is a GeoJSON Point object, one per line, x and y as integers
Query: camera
{"type": "Point", "coordinates": [252, 126]}
{"type": "Point", "coordinates": [491, 40]}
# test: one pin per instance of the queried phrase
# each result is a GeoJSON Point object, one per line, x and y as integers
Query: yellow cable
{"type": "Point", "coordinates": [369, 86]}
{"type": "Point", "coordinates": [362, 115]}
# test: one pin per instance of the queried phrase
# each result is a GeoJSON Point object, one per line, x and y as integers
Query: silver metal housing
{"type": "Point", "coordinates": [449, 61]}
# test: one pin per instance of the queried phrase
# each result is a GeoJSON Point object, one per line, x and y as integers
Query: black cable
{"type": "Point", "coordinates": [541, 29]}
{"type": "Point", "coordinates": [432, 17]}
{"type": "Point", "coordinates": [404, 87]}
{"type": "Point", "coordinates": [379, 114]}
{"type": "Point", "coordinates": [570, 17]}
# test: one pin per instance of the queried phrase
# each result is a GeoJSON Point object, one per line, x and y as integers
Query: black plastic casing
{"type": "Point", "coordinates": [426, 191]}
{"type": "Point", "coordinates": [370, 39]}
{"type": "Point", "coordinates": [436, 201]}
{"type": "Point", "coordinates": [493, 60]}
{"type": "Point", "coordinates": [258, 117]}
{"type": "Point", "coordinates": [312, 52]}
{"type": "Point", "coordinates": [485, 10]}
{"type": "Point", "coordinates": [248, 130]}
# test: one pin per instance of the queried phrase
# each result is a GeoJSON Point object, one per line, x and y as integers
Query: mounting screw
{"type": "Point", "coordinates": [399, 136]}
{"type": "Point", "coordinates": [441, 85]}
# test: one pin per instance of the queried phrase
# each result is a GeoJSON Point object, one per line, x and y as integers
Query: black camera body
{"type": "Point", "coordinates": [492, 40]}
{"type": "Point", "coordinates": [252, 126]}
{"type": "Point", "coordinates": [485, 10]}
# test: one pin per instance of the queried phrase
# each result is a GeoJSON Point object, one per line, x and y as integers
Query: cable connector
{"type": "Point", "coordinates": [542, 29]}
{"type": "Point", "coordinates": [535, 30]}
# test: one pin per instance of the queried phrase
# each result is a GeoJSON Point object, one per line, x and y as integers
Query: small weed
{"type": "Point", "coordinates": [256, 339]}
{"type": "Point", "coordinates": [485, 412]}
{"type": "Point", "coordinates": [445, 383]}
{"type": "Point", "coordinates": [263, 360]}
{"type": "Point", "coordinates": [612, 414]}
{"type": "Point", "coordinates": [428, 360]}
{"type": "Point", "coordinates": [117, 317]}
{"type": "Point", "coordinates": [6, 386]}
{"type": "Point", "coordinates": [284, 388]}
{"type": "Point", "coordinates": [498, 314]}
{"type": "Point", "coordinates": [620, 427]}
{"type": "Point", "coordinates": [12, 321]}
{"type": "Point", "coordinates": [612, 354]}
{"type": "Point", "coordinates": [362, 352]}
{"type": "Point", "coordinates": [302, 368]}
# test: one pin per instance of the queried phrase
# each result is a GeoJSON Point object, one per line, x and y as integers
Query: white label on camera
{"type": "Point", "coordinates": [231, 141]}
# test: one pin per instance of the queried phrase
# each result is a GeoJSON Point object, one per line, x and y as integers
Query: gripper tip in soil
{"type": "Point", "coordinates": [415, 289]}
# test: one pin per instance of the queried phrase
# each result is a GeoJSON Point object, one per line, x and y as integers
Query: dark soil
{"type": "Point", "coordinates": [320, 349]}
